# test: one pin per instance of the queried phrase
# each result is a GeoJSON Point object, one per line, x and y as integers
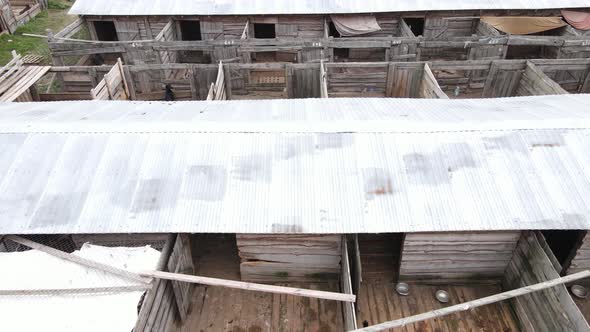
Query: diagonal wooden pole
{"type": "Point", "coordinates": [250, 286]}
{"type": "Point", "coordinates": [476, 303]}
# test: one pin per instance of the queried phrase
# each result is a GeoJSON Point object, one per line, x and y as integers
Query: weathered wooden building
{"type": "Point", "coordinates": [261, 31]}
{"type": "Point", "coordinates": [14, 13]}
{"type": "Point", "coordinates": [235, 81]}
{"type": "Point", "coordinates": [337, 195]}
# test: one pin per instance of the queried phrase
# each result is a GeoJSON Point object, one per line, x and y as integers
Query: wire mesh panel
{"type": "Point", "coordinates": [69, 288]}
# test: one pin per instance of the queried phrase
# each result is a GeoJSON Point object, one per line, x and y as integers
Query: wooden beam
{"type": "Point", "coordinates": [476, 303]}
{"type": "Point", "coordinates": [77, 259]}
{"type": "Point", "coordinates": [65, 291]}
{"type": "Point", "coordinates": [250, 286]}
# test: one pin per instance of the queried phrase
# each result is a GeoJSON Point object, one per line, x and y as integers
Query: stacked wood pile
{"type": "Point", "coordinates": [17, 81]}
{"type": "Point", "coordinates": [168, 301]}
{"type": "Point", "coordinates": [457, 256]}
{"type": "Point", "coordinates": [548, 310]}
{"type": "Point", "coordinates": [289, 258]}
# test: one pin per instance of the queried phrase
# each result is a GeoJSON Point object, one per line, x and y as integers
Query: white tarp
{"type": "Point", "coordinates": [355, 25]}
{"type": "Point", "coordinates": [78, 312]}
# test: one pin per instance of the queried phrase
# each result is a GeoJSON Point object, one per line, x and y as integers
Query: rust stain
{"type": "Point", "coordinates": [385, 189]}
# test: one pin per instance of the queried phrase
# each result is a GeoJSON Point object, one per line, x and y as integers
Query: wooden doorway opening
{"type": "Point", "coordinates": [564, 244]}
{"type": "Point", "coordinates": [190, 30]}
{"type": "Point", "coordinates": [105, 31]}
{"type": "Point", "coordinates": [264, 31]}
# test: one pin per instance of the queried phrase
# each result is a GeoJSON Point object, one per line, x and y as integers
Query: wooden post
{"type": "Point", "coordinates": [289, 80]}
{"type": "Point", "coordinates": [131, 86]}
{"type": "Point", "coordinates": [123, 78]}
{"type": "Point", "coordinates": [476, 303]}
{"type": "Point", "coordinates": [585, 88]}
{"type": "Point", "coordinates": [227, 78]}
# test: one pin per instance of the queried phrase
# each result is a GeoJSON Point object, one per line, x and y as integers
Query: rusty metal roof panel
{"type": "Point", "coordinates": [274, 7]}
{"type": "Point", "coordinates": [296, 166]}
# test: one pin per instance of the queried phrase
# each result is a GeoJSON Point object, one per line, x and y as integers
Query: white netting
{"type": "Point", "coordinates": [39, 291]}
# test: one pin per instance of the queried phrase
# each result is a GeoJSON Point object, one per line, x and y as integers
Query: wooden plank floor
{"type": "Point", "coordinates": [224, 309]}
{"type": "Point", "coordinates": [378, 302]}
{"type": "Point", "coordinates": [583, 305]}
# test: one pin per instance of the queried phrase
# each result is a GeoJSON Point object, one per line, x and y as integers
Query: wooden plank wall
{"type": "Point", "coordinates": [404, 80]}
{"type": "Point", "coordinates": [389, 23]}
{"type": "Point", "coordinates": [299, 26]}
{"type": "Point", "coordinates": [582, 259]}
{"type": "Point", "coordinates": [535, 83]}
{"type": "Point", "coordinates": [168, 33]}
{"type": "Point", "coordinates": [113, 86]}
{"type": "Point", "coordinates": [572, 75]}
{"type": "Point", "coordinates": [305, 82]}
{"type": "Point", "coordinates": [492, 51]}
{"type": "Point", "coordinates": [348, 308]}
{"type": "Point", "coordinates": [404, 51]}
{"type": "Point", "coordinates": [429, 87]}
{"type": "Point", "coordinates": [356, 80]}
{"type": "Point", "coordinates": [289, 258]}
{"type": "Point", "coordinates": [549, 310]}
{"type": "Point", "coordinates": [441, 25]}
{"type": "Point", "coordinates": [168, 301]}
{"type": "Point", "coordinates": [457, 256]}
{"type": "Point", "coordinates": [503, 79]}
{"type": "Point", "coordinates": [181, 261]}
{"type": "Point", "coordinates": [158, 311]}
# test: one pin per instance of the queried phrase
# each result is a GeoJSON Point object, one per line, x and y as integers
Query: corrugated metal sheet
{"type": "Point", "coordinates": [296, 166]}
{"type": "Point", "coordinates": [268, 7]}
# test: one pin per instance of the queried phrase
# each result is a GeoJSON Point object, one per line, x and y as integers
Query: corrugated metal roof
{"type": "Point", "coordinates": [282, 166]}
{"type": "Point", "coordinates": [268, 7]}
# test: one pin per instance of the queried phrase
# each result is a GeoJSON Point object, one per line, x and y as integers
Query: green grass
{"type": "Point", "coordinates": [55, 18]}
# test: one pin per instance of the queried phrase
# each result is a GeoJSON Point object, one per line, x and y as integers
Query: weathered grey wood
{"type": "Point", "coordinates": [250, 286]}
{"type": "Point", "coordinates": [70, 291]}
{"type": "Point", "coordinates": [228, 82]}
{"type": "Point", "coordinates": [282, 258]}
{"type": "Point", "coordinates": [348, 309]}
{"type": "Point", "coordinates": [180, 261]}
{"type": "Point", "coordinates": [443, 258]}
{"type": "Point", "coordinates": [478, 303]}
{"type": "Point", "coordinates": [549, 310]}
{"type": "Point", "coordinates": [153, 297]}
{"type": "Point", "coordinates": [534, 83]}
